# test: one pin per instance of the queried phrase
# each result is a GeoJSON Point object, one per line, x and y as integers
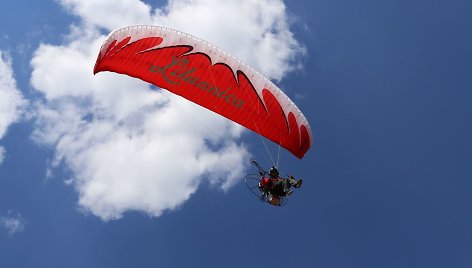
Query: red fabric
{"type": "Point", "coordinates": [269, 182]}
{"type": "Point", "coordinates": [213, 86]}
{"type": "Point", "coordinates": [266, 183]}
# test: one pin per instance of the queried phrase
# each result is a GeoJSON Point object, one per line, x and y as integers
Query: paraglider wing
{"type": "Point", "coordinates": [207, 76]}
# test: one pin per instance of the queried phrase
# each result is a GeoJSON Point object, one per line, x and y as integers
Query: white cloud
{"type": "Point", "coordinates": [11, 100]}
{"type": "Point", "coordinates": [131, 148]}
{"type": "Point", "coordinates": [109, 14]}
{"type": "Point", "coordinates": [255, 31]}
{"type": "Point", "coordinates": [12, 223]}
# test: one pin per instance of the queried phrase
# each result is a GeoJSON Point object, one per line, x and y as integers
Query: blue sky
{"type": "Point", "coordinates": [385, 87]}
